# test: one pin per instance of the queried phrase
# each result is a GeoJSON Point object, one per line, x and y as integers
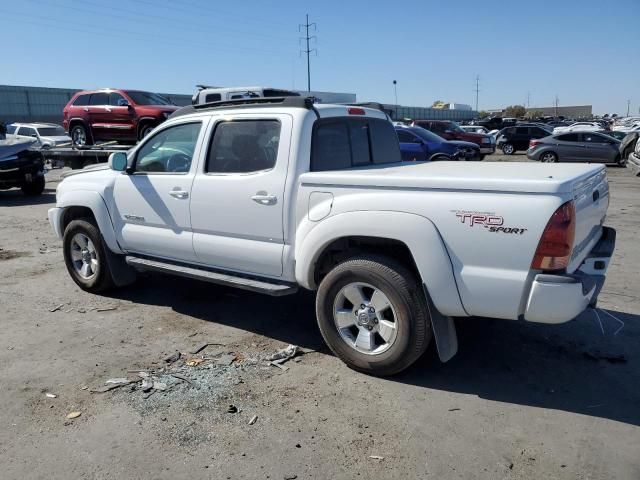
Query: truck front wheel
{"type": "Point", "coordinates": [373, 315]}
{"type": "Point", "coordinates": [84, 256]}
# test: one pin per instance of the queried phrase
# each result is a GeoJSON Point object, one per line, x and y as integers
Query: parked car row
{"type": "Point", "coordinates": [419, 144]}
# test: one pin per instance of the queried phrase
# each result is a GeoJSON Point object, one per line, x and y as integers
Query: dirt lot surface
{"type": "Point", "coordinates": [518, 401]}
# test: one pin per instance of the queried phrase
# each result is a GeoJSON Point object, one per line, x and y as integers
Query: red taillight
{"type": "Point", "coordinates": [356, 111]}
{"type": "Point", "coordinates": [554, 248]}
{"type": "Point", "coordinates": [533, 143]}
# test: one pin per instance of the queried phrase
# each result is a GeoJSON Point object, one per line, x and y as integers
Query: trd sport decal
{"type": "Point", "coordinates": [494, 223]}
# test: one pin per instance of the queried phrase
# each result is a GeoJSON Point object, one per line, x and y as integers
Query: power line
{"type": "Point", "coordinates": [306, 25]}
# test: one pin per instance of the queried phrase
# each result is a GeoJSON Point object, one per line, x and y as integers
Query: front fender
{"type": "Point", "coordinates": [418, 233]}
{"type": "Point", "coordinates": [95, 202]}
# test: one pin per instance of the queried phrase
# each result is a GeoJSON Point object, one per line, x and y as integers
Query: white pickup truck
{"type": "Point", "coordinates": [273, 194]}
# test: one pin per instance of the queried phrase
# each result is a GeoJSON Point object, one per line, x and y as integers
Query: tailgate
{"type": "Point", "coordinates": [591, 199]}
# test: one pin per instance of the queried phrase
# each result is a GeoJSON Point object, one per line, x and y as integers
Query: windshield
{"type": "Point", "coordinates": [147, 98]}
{"type": "Point", "coordinates": [426, 134]}
{"type": "Point", "coordinates": [455, 127]}
{"type": "Point", "coordinates": [51, 132]}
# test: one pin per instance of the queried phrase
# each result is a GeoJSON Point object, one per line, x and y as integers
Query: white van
{"type": "Point", "coordinates": [206, 94]}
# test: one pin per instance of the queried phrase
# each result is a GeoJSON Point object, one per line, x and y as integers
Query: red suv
{"type": "Point", "coordinates": [450, 130]}
{"type": "Point", "coordinates": [126, 115]}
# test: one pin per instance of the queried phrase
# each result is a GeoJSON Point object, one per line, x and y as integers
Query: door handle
{"type": "Point", "coordinates": [264, 199]}
{"type": "Point", "coordinates": [108, 109]}
{"type": "Point", "coordinates": [179, 194]}
{"type": "Point", "coordinates": [86, 109]}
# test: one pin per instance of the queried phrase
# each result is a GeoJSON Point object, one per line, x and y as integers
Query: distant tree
{"type": "Point", "coordinates": [483, 113]}
{"type": "Point", "coordinates": [516, 111]}
{"type": "Point", "coordinates": [534, 114]}
{"type": "Point", "coordinates": [436, 103]}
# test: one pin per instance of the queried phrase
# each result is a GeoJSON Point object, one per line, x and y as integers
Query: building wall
{"type": "Point", "coordinates": [573, 111]}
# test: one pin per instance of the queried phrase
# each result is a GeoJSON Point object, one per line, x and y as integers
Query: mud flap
{"type": "Point", "coordinates": [121, 273]}
{"type": "Point", "coordinates": [444, 331]}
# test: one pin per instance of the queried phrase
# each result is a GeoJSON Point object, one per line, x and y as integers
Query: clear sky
{"type": "Point", "coordinates": [584, 51]}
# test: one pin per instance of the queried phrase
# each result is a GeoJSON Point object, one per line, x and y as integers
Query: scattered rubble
{"type": "Point", "coordinates": [72, 415]}
{"type": "Point", "coordinates": [56, 308]}
{"type": "Point", "coordinates": [253, 420]}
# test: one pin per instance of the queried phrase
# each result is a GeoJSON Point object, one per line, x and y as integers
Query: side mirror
{"type": "Point", "coordinates": [118, 161]}
{"type": "Point", "coordinates": [123, 103]}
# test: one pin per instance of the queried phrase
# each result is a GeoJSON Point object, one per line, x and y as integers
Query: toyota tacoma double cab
{"type": "Point", "coordinates": [276, 194]}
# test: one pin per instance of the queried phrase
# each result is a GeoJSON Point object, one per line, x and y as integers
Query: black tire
{"type": "Point", "coordinates": [145, 130]}
{"type": "Point", "coordinates": [508, 149]}
{"type": "Point", "coordinates": [481, 157]}
{"type": "Point", "coordinates": [80, 135]}
{"type": "Point", "coordinates": [101, 280]}
{"type": "Point", "coordinates": [35, 188]}
{"type": "Point", "coordinates": [404, 293]}
{"type": "Point", "coordinates": [621, 160]}
{"type": "Point", "coordinates": [549, 157]}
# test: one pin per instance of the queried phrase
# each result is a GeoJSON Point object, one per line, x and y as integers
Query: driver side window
{"type": "Point", "coordinates": [169, 151]}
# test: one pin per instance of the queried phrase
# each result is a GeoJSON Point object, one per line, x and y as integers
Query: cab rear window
{"type": "Point", "coordinates": [344, 142]}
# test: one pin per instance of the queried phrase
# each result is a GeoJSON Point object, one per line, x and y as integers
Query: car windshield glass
{"type": "Point", "coordinates": [426, 135]}
{"type": "Point", "coordinates": [453, 126]}
{"type": "Point", "coordinates": [51, 132]}
{"type": "Point", "coordinates": [147, 98]}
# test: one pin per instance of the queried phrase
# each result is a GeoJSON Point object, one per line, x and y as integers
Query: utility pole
{"type": "Point", "coordinates": [556, 104]}
{"type": "Point", "coordinates": [628, 105]}
{"type": "Point", "coordinates": [306, 25]}
{"type": "Point", "coordinates": [477, 90]}
{"type": "Point", "coordinates": [528, 99]}
{"type": "Point", "coordinates": [395, 91]}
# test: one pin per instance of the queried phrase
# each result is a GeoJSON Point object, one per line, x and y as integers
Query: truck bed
{"type": "Point", "coordinates": [484, 176]}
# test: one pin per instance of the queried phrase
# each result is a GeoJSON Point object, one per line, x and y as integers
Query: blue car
{"type": "Point", "coordinates": [418, 144]}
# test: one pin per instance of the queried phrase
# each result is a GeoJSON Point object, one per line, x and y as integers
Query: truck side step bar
{"type": "Point", "coordinates": [260, 286]}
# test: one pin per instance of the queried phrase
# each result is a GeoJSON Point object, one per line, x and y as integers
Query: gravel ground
{"type": "Point", "coordinates": [519, 401]}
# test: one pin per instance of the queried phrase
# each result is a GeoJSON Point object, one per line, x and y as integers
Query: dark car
{"type": "Point", "coordinates": [418, 144]}
{"type": "Point", "coordinates": [123, 115]}
{"type": "Point", "coordinates": [588, 147]}
{"type": "Point", "coordinates": [496, 123]}
{"type": "Point", "coordinates": [23, 170]}
{"type": "Point", "coordinates": [450, 130]}
{"type": "Point", "coordinates": [617, 134]}
{"type": "Point", "coordinates": [512, 139]}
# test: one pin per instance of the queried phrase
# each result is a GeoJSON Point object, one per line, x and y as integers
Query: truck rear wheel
{"type": "Point", "coordinates": [84, 256]}
{"type": "Point", "coordinates": [373, 315]}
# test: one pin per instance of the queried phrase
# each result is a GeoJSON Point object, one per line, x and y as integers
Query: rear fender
{"type": "Point", "coordinates": [95, 202]}
{"type": "Point", "coordinates": [417, 232]}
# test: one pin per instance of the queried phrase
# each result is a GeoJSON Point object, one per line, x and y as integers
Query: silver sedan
{"type": "Point", "coordinates": [576, 147]}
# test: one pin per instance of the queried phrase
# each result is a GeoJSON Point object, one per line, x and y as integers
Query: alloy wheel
{"type": "Point", "coordinates": [83, 256]}
{"type": "Point", "coordinates": [365, 318]}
